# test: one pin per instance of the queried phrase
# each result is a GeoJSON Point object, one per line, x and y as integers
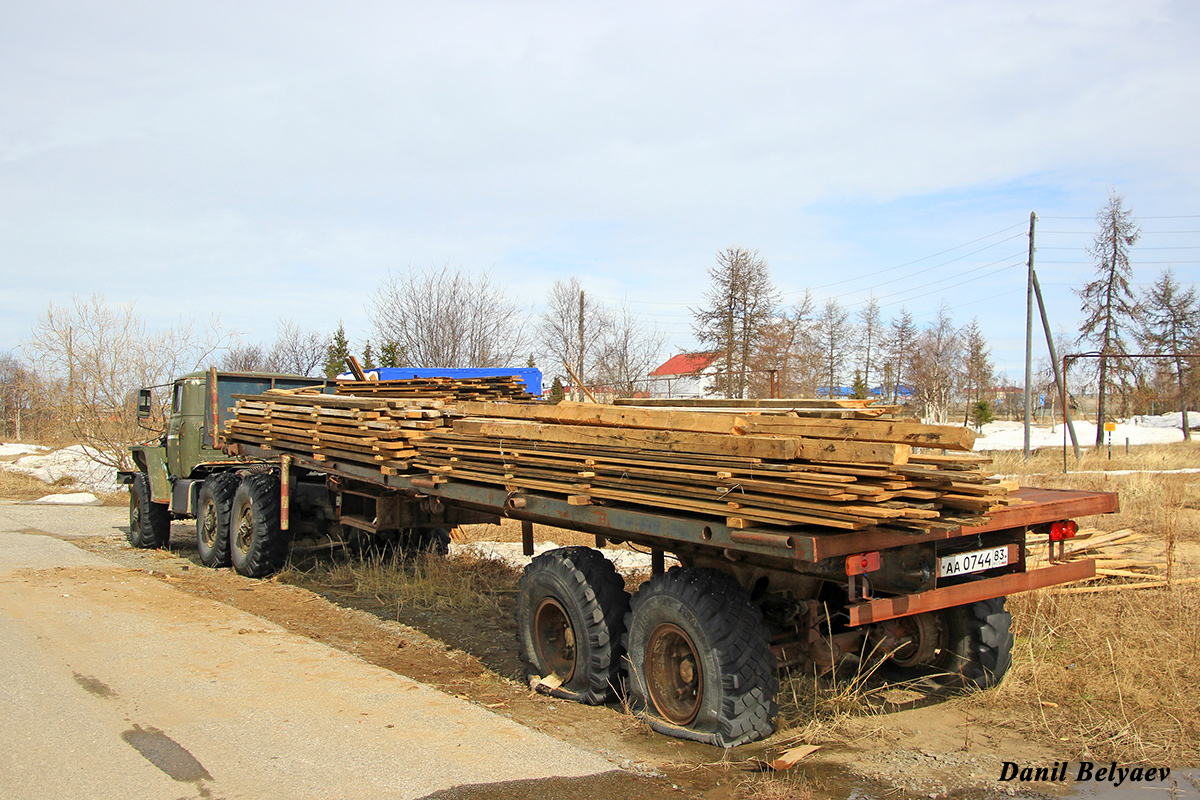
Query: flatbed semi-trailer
{"type": "Point", "coordinates": [697, 647]}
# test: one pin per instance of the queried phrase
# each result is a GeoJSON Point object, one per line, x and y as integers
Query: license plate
{"type": "Point", "coordinates": [974, 561]}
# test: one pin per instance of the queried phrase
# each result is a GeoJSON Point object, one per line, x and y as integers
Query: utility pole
{"type": "Point", "coordinates": [1029, 339]}
{"type": "Point", "coordinates": [1059, 378]}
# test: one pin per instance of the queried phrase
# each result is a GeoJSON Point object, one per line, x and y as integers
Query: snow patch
{"type": "Point", "coordinates": [626, 561]}
{"type": "Point", "coordinates": [1163, 429]}
{"type": "Point", "coordinates": [72, 499]}
{"type": "Point", "coordinates": [74, 463]}
{"type": "Point", "coordinates": [15, 449]}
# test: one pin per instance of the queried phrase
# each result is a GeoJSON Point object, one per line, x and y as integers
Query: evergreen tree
{"type": "Point", "coordinates": [861, 390]}
{"type": "Point", "coordinates": [1170, 327]}
{"type": "Point", "coordinates": [368, 356]}
{"type": "Point", "coordinates": [391, 354]}
{"type": "Point", "coordinates": [336, 353]}
{"type": "Point", "coordinates": [1107, 302]}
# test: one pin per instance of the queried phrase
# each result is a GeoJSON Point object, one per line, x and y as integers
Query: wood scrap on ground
{"type": "Point", "coordinates": [1115, 570]}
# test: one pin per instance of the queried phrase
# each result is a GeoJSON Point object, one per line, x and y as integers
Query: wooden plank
{"type": "Point", "coordinates": [911, 433]}
{"type": "Point", "coordinates": [785, 403]}
{"type": "Point", "coordinates": [613, 416]}
{"type": "Point", "coordinates": [672, 441]}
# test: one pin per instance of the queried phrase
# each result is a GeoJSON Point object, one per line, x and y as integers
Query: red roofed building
{"type": "Point", "coordinates": [683, 375]}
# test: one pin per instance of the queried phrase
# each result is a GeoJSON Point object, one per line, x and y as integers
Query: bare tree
{"type": "Point", "coordinates": [935, 367]}
{"type": "Point", "coordinates": [977, 375]}
{"type": "Point", "coordinates": [21, 393]}
{"type": "Point", "coordinates": [629, 349]}
{"type": "Point", "coordinates": [100, 355]}
{"type": "Point", "coordinates": [1108, 304]}
{"type": "Point", "coordinates": [741, 304]}
{"type": "Point", "coordinates": [296, 351]}
{"type": "Point", "coordinates": [789, 348]}
{"type": "Point", "coordinates": [449, 318]}
{"type": "Point", "coordinates": [832, 334]}
{"type": "Point", "coordinates": [902, 338]}
{"type": "Point", "coordinates": [1169, 326]}
{"type": "Point", "coordinates": [871, 339]}
{"type": "Point", "coordinates": [244, 357]}
{"type": "Point", "coordinates": [572, 329]}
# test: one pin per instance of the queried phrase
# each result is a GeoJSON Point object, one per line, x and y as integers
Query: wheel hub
{"type": "Point", "coordinates": [245, 530]}
{"type": "Point", "coordinates": [554, 639]}
{"type": "Point", "coordinates": [673, 673]}
{"type": "Point", "coordinates": [920, 636]}
{"type": "Point", "coordinates": [209, 528]}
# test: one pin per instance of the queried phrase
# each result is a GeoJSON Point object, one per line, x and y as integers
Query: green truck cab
{"type": "Point", "coordinates": [171, 472]}
{"type": "Point", "coordinates": [249, 509]}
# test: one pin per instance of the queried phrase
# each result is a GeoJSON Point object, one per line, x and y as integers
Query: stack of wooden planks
{"type": "Point", "coordinates": [780, 466]}
{"type": "Point", "coordinates": [366, 430]}
{"type": "Point", "coordinates": [507, 387]}
{"type": "Point", "coordinates": [752, 468]}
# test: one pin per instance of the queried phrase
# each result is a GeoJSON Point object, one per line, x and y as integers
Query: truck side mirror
{"type": "Point", "coordinates": [143, 403]}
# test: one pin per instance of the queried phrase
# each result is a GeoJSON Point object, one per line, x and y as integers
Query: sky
{"type": "Point", "coordinates": [274, 160]}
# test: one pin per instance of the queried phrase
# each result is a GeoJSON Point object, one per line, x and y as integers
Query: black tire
{"type": "Point", "coordinates": [149, 523]}
{"type": "Point", "coordinates": [418, 540]}
{"type": "Point", "coordinates": [700, 665]}
{"type": "Point", "coordinates": [979, 643]}
{"type": "Point", "coordinates": [257, 546]}
{"type": "Point", "coordinates": [212, 518]}
{"type": "Point", "coordinates": [571, 607]}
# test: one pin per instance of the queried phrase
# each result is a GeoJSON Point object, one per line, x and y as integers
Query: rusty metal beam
{"type": "Point", "coordinates": [974, 591]}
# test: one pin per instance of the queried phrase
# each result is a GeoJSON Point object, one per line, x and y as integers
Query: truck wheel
{"type": "Point", "coordinates": [700, 666]}
{"type": "Point", "coordinates": [978, 647]}
{"type": "Point", "coordinates": [257, 546]}
{"type": "Point", "coordinates": [212, 518]}
{"type": "Point", "coordinates": [571, 607]}
{"type": "Point", "coordinates": [149, 523]}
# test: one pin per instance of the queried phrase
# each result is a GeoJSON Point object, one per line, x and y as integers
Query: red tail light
{"type": "Point", "coordinates": [1063, 530]}
{"type": "Point", "coordinates": [862, 563]}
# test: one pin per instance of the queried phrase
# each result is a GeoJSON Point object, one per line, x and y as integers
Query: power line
{"type": "Point", "coordinates": [955, 285]}
{"type": "Point", "coordinates": [1093, 233]}
{"type": "Point", "coordinates": [1132, 261]}
{"type": "Point", "coordinates": [926, 258]}
{"type": "Point", "coordinates": [1177, 216]}
{"type": "Point", "coordinates": [952, 277]}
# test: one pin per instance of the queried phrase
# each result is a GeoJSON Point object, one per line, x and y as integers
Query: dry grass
{"type": "Point", "coordinates": [423, 581]}
{"type": "Point", "coordinates": [1049, 461]}
{"type": "Point", "coordinates": [1108, 676]}
{"type": "Point", "coordinates": [18, 486]}
{"type": "Point", "coordinates": [778, 786]}
{"type": "Point", "coordinates": [1113, 676]}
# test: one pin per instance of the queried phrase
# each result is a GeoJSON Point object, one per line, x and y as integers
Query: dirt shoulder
{"type": "Point", "coordinates": [924, 749]}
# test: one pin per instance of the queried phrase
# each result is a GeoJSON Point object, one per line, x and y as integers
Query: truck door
{"type": "Point", "coordinates": [174, 431]}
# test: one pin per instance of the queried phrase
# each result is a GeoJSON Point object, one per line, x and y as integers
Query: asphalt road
{"type": "Point", "coordinates": [115, 685]}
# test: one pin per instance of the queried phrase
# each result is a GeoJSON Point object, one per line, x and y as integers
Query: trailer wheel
{"type": "Point", "coordinates": [212, 518]}
{"type": "Point", "coordinates": [258, 547]}
{"type": "Point", "coordinates": [432, 540]}
{"type": "Point", "coordinates": [700, 666]}
{"type": "Point", "coordinates": [978, 647]}
{"type": "Point", "coordinates": [149, 523]}
{"type": "Point", "coordinates": [571, 607]}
